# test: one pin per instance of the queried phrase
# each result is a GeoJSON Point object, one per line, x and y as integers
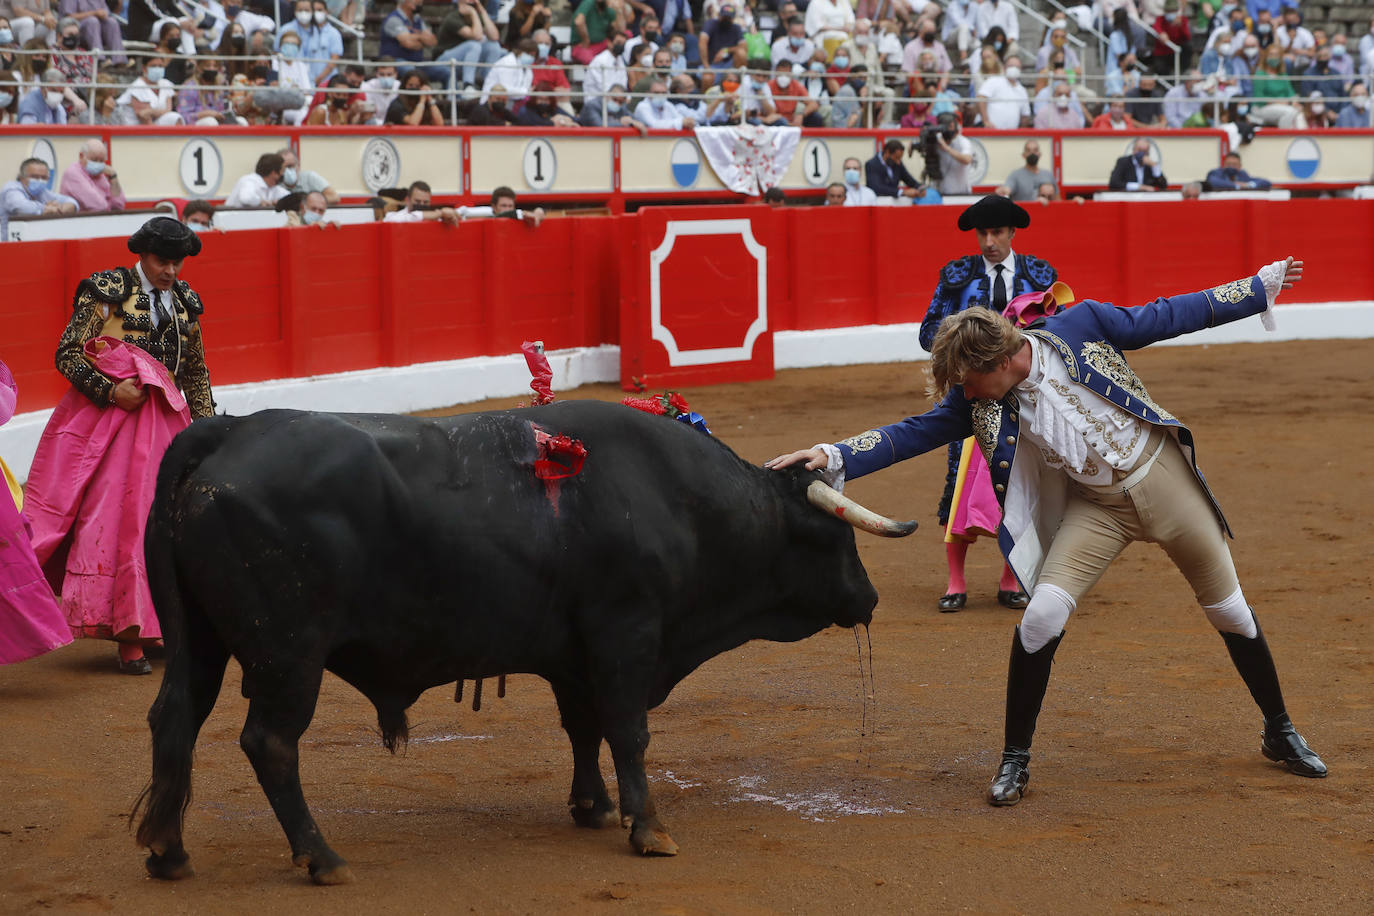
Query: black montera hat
{"type": "Point", "coordinates": [165, 237]}
{"type": "Point", "coordinates": [993, 212]}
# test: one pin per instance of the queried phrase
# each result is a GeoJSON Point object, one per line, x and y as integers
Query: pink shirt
{"type": "Point", "coordinates": [92, 194]}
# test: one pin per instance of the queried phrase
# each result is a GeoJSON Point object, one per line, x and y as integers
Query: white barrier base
{"type": "Point", "coordinates": [427, 386]}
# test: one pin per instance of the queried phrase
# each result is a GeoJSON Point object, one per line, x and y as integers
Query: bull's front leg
{"type": "Point", "coordinates": [588, 802]}
{"type": "Point", "coordinates": [627, 732]}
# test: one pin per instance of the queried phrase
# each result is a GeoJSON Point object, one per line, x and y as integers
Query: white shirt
{"type": "Point", "coordinates": [751, 97]}
{"type": "Point", "coordinates": [959, 14]}
{"type": "Point", "coordinates": [860, 196]}
{"type": "Point", "coordinates": [252, 191]}
{"type": "Point", "coordinates": [955, 180]}
{"type": "Point", "coordinates": [139, 90]}
{"type": "Point", "coordinates": [404, 216]}
{"type": "Point", "coordinates": [1078, 432]}
{"type": "Point", "coordinates": [605, 70]}
{"type": "Point", "coordinates": [665, 118]}
{"type": "Point", "coordinates": [1298, 39]}
{"type": "Point", "coordinates": [1003, 14]}
{"type": "Point", "coordinates": [155, 295]}
{"type": "Point", "coordinates": [1008, 271]}
{"type": "Point", "coordinates": [828, 16]}
{"type": "Point", "coordinates": [379, 97]}
{"type": "Point", "coordinates": [509, 72]}
{"type": "Point", "coordinates": [1008, 102]}
{"type": "Point", "coordinates": [782, 50]}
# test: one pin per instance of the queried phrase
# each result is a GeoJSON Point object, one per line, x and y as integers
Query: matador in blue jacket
{"type": "Point", "coordinates": [991, 278]}
{"type": "Point", "coordinates": [1083, 462]}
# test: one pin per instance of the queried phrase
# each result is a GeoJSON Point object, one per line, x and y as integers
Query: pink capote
{"type": "Point", "coordinates": [90, 490]}
{"type": "Point", "coordinates": [30, 621]}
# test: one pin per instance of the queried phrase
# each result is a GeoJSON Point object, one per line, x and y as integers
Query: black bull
{"type": "Point", "coordinates": [401, 554]}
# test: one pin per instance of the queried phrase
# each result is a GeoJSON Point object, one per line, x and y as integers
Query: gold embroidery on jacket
{"type": "Point", "coordinates": [1232, 292]}
{"type": "Point", "coordinates": [1064, 349]}
{"type": "Point", "coordinates": [1108, 360]}
{"type": "Point", "coordinates": [1086, 413]}
{"type": "Point", "coordinates": [987, 423]}
{"type": "Point", "coordinates": [864, 442]}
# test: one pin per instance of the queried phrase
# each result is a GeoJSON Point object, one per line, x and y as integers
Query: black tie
{"type": "Point", "coordinates": [999, 289]}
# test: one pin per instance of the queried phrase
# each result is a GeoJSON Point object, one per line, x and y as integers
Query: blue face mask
{"type": "Point", "coordinates": [36, 186]}
{"type": "Point", "coordinates": [816, 67]}
{"type": "Point", "coordinates": [6, 36]}
{"type": "Point", "coordinates": [841, 61]}
{"type": "Point", "coordinates": [543, 48]}
{"type": "Point", "coordinates": [95, 168]}
{"type": "Point", "coordinates": [526, 60]}
{"type": "Point", "coordinates": [155, 73]}
{"type": "Point", "coordinates": [1237, 25]}
{"type": "Point", "coordinates": [311, 217]}
{"type": "Point", "coordinates": [858, 83]}
{"type": "Point", "coordinates": [6, 100]}
{"type": "Point", "coordinates": [289, 51]}
{"type": "Point", "coordinates": [851, 176]}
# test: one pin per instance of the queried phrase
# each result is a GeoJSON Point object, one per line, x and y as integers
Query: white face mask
{"type": "Point", "coordinates": [1361, 102]}
{"type": "Point", "coordinates": [303, 17]}
{"type": "Point", "coordinates": [1252, 52]}
{"type": "Point", "coordinates": [1061, 102]}
{"type": "Point", "coordinates": [784, 81]}
{"type": "Point", "coordinates": [321, 16]}
{"type": "Point", "coordinates": [53, 99]}
{"type": "Point", "coordinates": [1319, 108]}
{"type": "Point", "coordinates": [1013, 73]}
{"type": "Point", "coordinates": [646, 61]}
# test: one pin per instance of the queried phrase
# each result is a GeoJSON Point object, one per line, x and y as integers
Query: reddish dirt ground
{"type": "Point", "coordinates": [1148, 791]}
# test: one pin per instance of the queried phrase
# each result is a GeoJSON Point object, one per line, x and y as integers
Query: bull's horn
{"type": "Point", "coordinates": [842, 507]}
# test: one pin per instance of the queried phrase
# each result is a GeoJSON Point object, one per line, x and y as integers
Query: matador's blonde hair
{"type": "Point", "coordinates": [974, 340]}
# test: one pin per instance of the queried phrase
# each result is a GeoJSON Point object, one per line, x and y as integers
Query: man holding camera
{"type": "Point", "coordinates": [955, 154]}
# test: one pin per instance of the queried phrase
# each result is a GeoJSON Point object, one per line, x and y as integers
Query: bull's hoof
{"type": "Point", "coordinates": [324, 870]}
{"type": "Point", "coordinates": [594, 813]}
{"type": "Point", "coordinates": [652, 841]}
{"type": "Point", "coordinates": [169, 866]}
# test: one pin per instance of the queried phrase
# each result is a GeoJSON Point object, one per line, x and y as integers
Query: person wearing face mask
{"type": "Point", "coordinates": [152, 96]}
{"type": "Point", "coordinates": [381, 90]}
{"type": "Point", "coordinates": [97, 28]}
{"type": "Point", "coordinates": [298, 180]}
{"type": "Point", "coordinates": [1061, 113]}
{"type": "Point", "coordinates": [594, 22]}
{"type": "Point", "coordinates": [612, 111]}
{"type": "Point", "coordinates": [794, 47]}
{"type": "Point", "coordinates": [76, 64]}
{"type": "Point", "coordinates": [514, 71]}
{"type": "Point", "coordinates": [998, 14]}
{"type": "Point", "coordinates": [44, 104]}
{"type": "Point", "coordinates": [1323, 80]}
{"type": "Point", "coordinates": [1231, 176]}
{"type": "Point", "coordinates": [850, 107]}
{"type": "Point", "coordinates": [92, 182]}
{"type": "Point", "coordinates": [817, 85]}
{"type": "Point", "coordinates": [9, 104]}
{"type": "Point", "coordinates": [293, 73]}
{"type": "Point", "coordinates": [829, 22]}
{"type": "Point", "coordinates": [1024, 183]}
{"type": "Point", "coordinates": [540, 110]}
{"type": "Point", "coordinates": [718, 42]}
{"type": "Point", "coordinates": [1115, 117]}
{"type": "Point", "coordinates": [171, 46]}
{"type": "Point", "coordinates": [320, 42]}
{"type": "Point", "coordinates": [1137, 171]}
{"type": "Point", "coordinates": [856, 192]}
{"type": "Point", "coordinates": [755, 98]}
{"type": "Point", "coordinates": [549, 69]}
{"type": "Point", "coordinates": [29, 195]}
{"type": "Point", "coordinates": [926, 42]}
{"type": "Point", "coordinates": [201, 101]}
{"type": "Point", "coordinates": [1173, 26]}
{"type": "Point", "coordinates": [1184, 100]}
{"type": "Point", "coordinates": [311, 209]}
{"type": "Point", "coordinates": [1365, 49]}
{"type": "Point", "coordinates": [1057, 44]}
{"type": "Point", "coordinates": [657, 112]}
{"type": "Point", "coordinates": [1358, 112]}
{"type": "Point", "coordinates": [337, 106]}
{"type": "Point", "coordinates": [223, 16]}
{"type": "Point", "coordinates": [794, 106]}
{"type": "Point", "coordinates": [525, 19]}
{"type": "Point", "coordinates": [648, 41]}
{"type": "Point", "coordinates": [606, 69]}
{"type": "Point", "coordinates": [678, 49]}
{"type": "Point", "coordinates": [961, 25]}
{"type": "Point", "coordinates": [1297, 41]}
{"type": "Point", "coordinates": [1002, 101]}
{"type": "Point", "coordinates": [1342, 61]}
{"type": "Point", "coordinates": [1318, 114]}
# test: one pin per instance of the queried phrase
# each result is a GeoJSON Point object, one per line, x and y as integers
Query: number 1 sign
{"type": "Point", "coordinates": [201, 168]}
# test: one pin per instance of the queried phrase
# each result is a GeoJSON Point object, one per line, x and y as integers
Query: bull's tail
{"type": "Point", "coordinates": [195, 658]}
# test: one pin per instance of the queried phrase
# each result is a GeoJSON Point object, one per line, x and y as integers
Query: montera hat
{"type": "Point", "coordinates": [993, 212]}
{"type": "Point", "coordinates": [165, 237]}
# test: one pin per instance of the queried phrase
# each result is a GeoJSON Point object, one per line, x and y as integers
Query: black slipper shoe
{"type": "Point", "coordinates": [952, 602]}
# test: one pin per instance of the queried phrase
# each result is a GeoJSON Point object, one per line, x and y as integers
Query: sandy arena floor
{"type": "Point", "coordinates": [1148, 790]}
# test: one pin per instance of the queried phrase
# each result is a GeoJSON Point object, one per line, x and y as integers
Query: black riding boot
{"type": "Point", "coordinates": [1281, 741]}
{"type": "Point", "coordinates": [1028, 674]}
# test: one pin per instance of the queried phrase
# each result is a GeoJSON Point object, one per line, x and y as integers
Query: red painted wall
{"type": "Point", "coordinates": [297, 302]}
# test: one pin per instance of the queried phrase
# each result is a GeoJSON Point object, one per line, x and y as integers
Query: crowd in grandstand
{"type": "Point", "coordinates": [683, 63]}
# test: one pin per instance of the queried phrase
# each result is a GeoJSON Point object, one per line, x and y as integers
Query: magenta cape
{"type": "Point", "coordinates": [30, 621]}
{"type": "Point", "coordinates": [974, 511]}
{"type": "Point", "coordinates": [90, 490]}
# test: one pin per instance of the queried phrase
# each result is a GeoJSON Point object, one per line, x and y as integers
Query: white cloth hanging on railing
{"type": "Point", "coordinates": [749, 159]}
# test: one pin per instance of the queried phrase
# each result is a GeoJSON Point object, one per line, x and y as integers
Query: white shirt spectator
{"type": "Point", "coordinates": [859, 196]}
{"type": "Point", "coordinates": [752, 96]}
{"type": "Point", "coordinates": [380, 95]}
{"type": "Point", "coordinates": [956, 180]}
{"type": "Point", "coordinates": [744, 16]}
{"type": "Point", "coordinates": [139, 90]}
{"type": "Point", "coordinates": [911, 56]}
{"type": "Point", "coordinates": [1008, 102]}
{"type": "Point", "coordinates": [404, 216]}
{"type": "Point", "coordinates": [783, 50]}
{"type": "Point", "coordinates": [251, 22]}
{"type": "Point", "coordinates": [1295, 39]}
{"type": "Point", "coordinates": [663, 116]}
{"type": "Point", "coordinates": [992, 13]}
{"type": "Point", "coordinates": [890, 50]}
{"type": "Point", "coordinates": [829, 16]}
{"type": "Point", "coordinates": [959, 14]}
{"type": "Point", "coordinates": [605, 70]}
{"type": "Point", "coordinates": [252, 191]}
{"type": "Point", "coordinates": [637, 46]}
{"type": "Point", "coordinates": [509, 72]}
{"type": "Point", "coordinates": [1180, 105]}
{"type": "Point", "coordinates": [295, 74]}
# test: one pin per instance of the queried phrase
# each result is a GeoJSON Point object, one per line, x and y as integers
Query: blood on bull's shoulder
{"type": "Point", "coordinates": [605, 550]}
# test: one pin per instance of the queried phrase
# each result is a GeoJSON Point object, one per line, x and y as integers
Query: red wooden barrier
{"type": "Point", "coordinates": [297, 302]}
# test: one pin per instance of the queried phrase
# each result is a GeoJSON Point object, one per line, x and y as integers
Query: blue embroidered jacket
{"type": "Point", "coordinates": [963, 282]}
{"type": "Point", "coordinates": [1090, 338]}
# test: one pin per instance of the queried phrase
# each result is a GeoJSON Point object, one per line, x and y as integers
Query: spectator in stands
{"type": "Point", "coordinates": [503, 206]}
{"type": "Point", "coordinates": [719, 41]}
{"type": "Point", "coordinates": [1044, 93]}
{"type": "Point", "coordinates": [849, 108]}
{"type": "Point", "coordinates": [76, 64]}
{"type": "Point", "coordinates": [415, 103]}
{"type": "Point", "coordinates": [43, 104]}
{"type": "Point", "coordinates": [1297, 43]}
{"type": "Point", "coordinates": [1137, 172]}
{"type": "Point", "coordinates": [469, 37]}
{"type": "Point", "coordinates": [657, 113]}
{"type": "Point", "coordinates": [514, 71]}
{"type": "Point", "coordinates": [989, 65]}
{"type": "Point", "coordinates": [541, 110]}
{"type": "Point", "coordinates": [678, 51]}
{"type": "Point", "coordinates": [199, 215]}
{"type": "Point", "coordinates": [794, 106]}
{"type": "Point", "coordinates": [1231, 177]}
{"type": "Point", "coordinates": [1144, 103]}
{"type": "Point", "coordinates": [817, 85]}
{"type": "Point", "coordinates": [34, 59]}
{"type": "Point", "coordinates": [406, 36]}
{"type": "Point", "coordinates": [594, 24]}
{"type": "Point", "coordinates": [885, 174]}
{"type": "Point", "coordinates": [1184, 101]}
{"type": "Point", "coordinates": [1270, 82]}
{"type": "Point", "coordinates": [152, 96]}
{"type": "Point", "coordinates": [956, 155]}
{"type": "Point", "coordinates": [295, 179]}
{"type": "Point", "coordinates": [29, 19]}
{"type": "Point", "coordinates": [829, 22]}
{"type": "Point", "coordinates": [170, 45]}
{"type": "Point", "coordinates": [755, 98]}
{"type": "Point", "coordinates": [1174, 27]}
{"type": "Point", "coordinates": [29, 195]}
{"type": "Point", "coordinates": [293, 73]}
{"type": "Point", "coordinates": [549, 69]}
{"type": "Point", "coordinates": [98, 28]}
{"type": "Point", "coordinates": [312, 212]}
{"type": "Point", "coordinates": [1115, 117]}
{"type": "Point", "coordinates": [925, 42]}
{"type": "Point", "coordinates": [617, 112]}
{"type": "Point", "coordinates": [961, 26]}
{"type": "Point", "coordinates": [9, 104]}
{"type": "Point", "coordinates": [856, 193]}
{"type": "Point", "coordinates": [496, 111]}
{"type": "Point", "coordinates": [648, 39]}
{"type": "Point", "coordinates": [261, 187]}
{"type": "Point", "coordinates": [1318, 114]}
{"type": "Point", "coordinates": [321, 42]}
{"type": "Point", "coordinates": [1127, 36]}
{"type": "Point", "coordinates": [92, 182]}
{"type": "Point", "coordinates": [1002, 102]}
{"type": "Point", "coordinates": [1324, 81]}
{"type": "Point", "coordinates": [1024, 183]}
{"type": "Point", "coordinates": [836, 194]}
{"type": "Point", "coordinates": [417, 207]}
{"type": "Point", "coordinates": [526, 18]}
{"type": "Point", "coordinates": [1342, 61]}
{"type": "Point", "coordinates": [1357, 113]}
{"type": "Point", "coordinates": [605, 70]}
{"type": "Point", "coordinates": [380, 90]}
{"type": "Point", "coordinates": [9, 58]}
{"type": "Point", "coordinates": [1058, 44]}
{"type": "Point", "coordinates": [1061, 114]}
{"type": "Point", "coordinates": [996, 14]}
{"type": "Point", "coordinates": [794, 47]}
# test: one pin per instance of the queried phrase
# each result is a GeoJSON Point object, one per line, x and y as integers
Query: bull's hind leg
{"type": "Point", "coordinates": [588, 802]}
{"type": "Point", "coordinates": [627, 732]}
{"type": "Point", "coordinates": [271, 738]}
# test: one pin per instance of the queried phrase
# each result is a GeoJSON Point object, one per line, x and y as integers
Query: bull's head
{"type": "Point", "coordinates": [842, 507]}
